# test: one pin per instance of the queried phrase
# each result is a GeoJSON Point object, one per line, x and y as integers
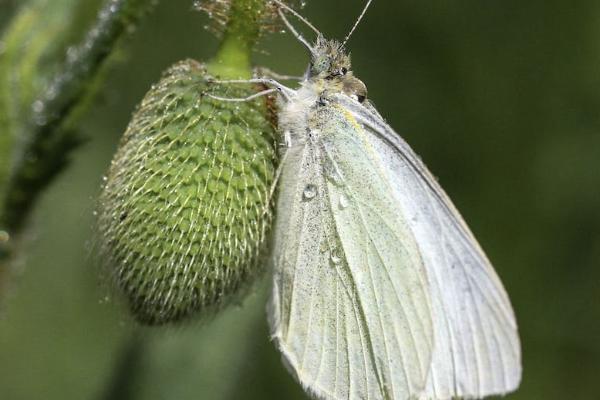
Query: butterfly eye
{"type": "Point", "coordinates": [361, 98]}
{"type": "Point", "coordinates": [344, 70]}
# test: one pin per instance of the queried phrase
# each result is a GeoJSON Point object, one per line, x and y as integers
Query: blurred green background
{"type": "Point", "coordinates": [500, 98]}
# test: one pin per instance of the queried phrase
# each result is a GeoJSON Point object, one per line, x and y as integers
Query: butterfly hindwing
{"type": "Point", "coordinates": [477, 351]}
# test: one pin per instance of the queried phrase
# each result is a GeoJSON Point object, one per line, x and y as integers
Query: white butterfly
{"type": "Point", "coordinates": [380, 289]}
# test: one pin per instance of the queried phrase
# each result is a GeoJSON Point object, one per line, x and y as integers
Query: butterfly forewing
{"type": "Point", "coordinates": [313, 317]}
{"type": "Point", "coordinates": [351, 305]}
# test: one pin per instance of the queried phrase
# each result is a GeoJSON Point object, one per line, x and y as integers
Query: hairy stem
{"type": "Point", "coordinates": [233, 59]}
{"type": "Point", "coordinates": [48, 137]}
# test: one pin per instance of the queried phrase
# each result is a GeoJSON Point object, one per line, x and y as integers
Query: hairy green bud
{"type": "Point", "coordinates": [186, 208]}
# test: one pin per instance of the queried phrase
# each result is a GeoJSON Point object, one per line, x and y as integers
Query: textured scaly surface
{"type": "Point", "coordinates": [185, 211]}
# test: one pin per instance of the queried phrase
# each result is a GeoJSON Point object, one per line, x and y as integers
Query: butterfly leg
{"type": "Point", "coordinates": [285, 91]}
{"type": "Point", "coordinates": [275, 180]}
{"type": "Point", "coordinates": [263, 72]}
{"type": "Point", "coordinates": [242, 99]}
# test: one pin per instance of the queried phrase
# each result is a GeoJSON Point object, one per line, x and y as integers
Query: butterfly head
{"type": "Point", "coordinates": [331, 67]}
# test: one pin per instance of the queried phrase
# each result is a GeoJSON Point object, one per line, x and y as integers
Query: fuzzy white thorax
{"type": "Point", "coordinates": [293, 115]}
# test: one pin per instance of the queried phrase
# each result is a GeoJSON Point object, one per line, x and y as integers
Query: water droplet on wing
{"type": "Point", "coordinates": [335, 258]}
{"type": "Point", "coordinates": [343, 201]}
{"type": "Point", "coordinates": [310, 191]}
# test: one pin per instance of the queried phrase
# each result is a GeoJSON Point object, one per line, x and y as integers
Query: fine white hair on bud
{"type": "Point", "coordinates": [220, 12]}
{"type": "Point", "coordinates": [185, 210]}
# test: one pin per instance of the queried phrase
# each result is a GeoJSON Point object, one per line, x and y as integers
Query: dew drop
{"type": "Point", "coordinates": [335, 258]}
{"type": "Point", "coordinates": [343, 201]}
{"type": "Point", "coordinates": [71, 54]}
{"type": "Point", "coordinates": [310, 191]}
{"type": "Point", "coordinates": [38, 106]}
{"type": "Point", "coordinates": [335, 178]}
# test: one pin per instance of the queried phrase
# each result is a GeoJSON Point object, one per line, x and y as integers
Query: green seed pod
{"type": "Point", "coordinates": [185, 207]}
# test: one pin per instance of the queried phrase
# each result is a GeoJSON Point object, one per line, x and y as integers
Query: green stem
{"type": "Point", "coordinates": [233, 59]}
{"type": "Point", "coordinates": [51, 137]}
{"type": "Point", "coordinates": [127, 369]}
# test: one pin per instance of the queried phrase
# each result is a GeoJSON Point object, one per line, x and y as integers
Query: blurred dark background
{"type": "Point", "coordinates": [500, 98]}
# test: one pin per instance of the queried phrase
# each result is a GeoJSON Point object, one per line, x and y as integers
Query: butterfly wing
{"type": "Point", "coordinates": [380, 290]}
{"type": "Point", "coordinates": [350, 309]}
{"type": "Point", "coordinates": [476, 345]}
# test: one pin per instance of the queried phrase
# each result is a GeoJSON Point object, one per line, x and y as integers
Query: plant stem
{"type": "Point", "coordinates": [49, 137]}
{"type": "Point", "coordinates": [233, 59]}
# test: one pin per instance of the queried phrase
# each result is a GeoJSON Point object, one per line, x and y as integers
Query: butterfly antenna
{"type": "Point", "coordinates": [297, 15]}
{"type": "Point", "coordinates": [360, 17]}
{"type": "Point", "coordinates": [294, 31]}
